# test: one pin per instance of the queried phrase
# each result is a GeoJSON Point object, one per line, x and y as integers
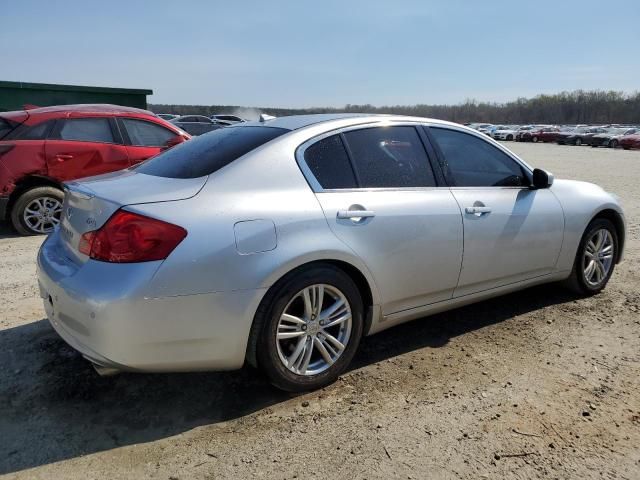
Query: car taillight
{"type": "Point", "coordinates": [129, 237]}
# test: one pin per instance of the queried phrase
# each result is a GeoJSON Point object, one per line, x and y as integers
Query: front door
{"type": "Point", "coordinates": [511, 232]}
{"type": "Point", "coordinates": [145, 139]}
{"type": "Point", "coordinates": [379, 195]}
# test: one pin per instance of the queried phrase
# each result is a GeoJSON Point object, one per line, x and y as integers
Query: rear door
{"type": "Point", "coordinates": [511, 232]}
{"type": "Point", "coordinates": [22, 149]}
{"type": "Point", "coordinates": [144, 139]}
{"type": "Point", "coordinates": [82, 147]}
{"type": "Point", "coordinates": [379, 194]}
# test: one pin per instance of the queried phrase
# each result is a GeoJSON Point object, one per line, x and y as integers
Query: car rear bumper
{"type": "Point", "coordinates": [103, 311]}
{"type": "Point", "coordinates": [4, 204]}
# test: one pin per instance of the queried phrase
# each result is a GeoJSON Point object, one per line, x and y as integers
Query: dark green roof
{"type": "Point", "coordinates": [73, 88]}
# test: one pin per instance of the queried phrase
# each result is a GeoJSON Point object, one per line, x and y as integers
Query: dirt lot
{"type": "Point", "coordinates": [538, 384]}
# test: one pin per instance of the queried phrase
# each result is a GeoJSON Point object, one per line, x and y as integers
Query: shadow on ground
{"type": "Point", "coordinates": [7, 230]}
{"type": "Point", "coordinates": [54, 407]}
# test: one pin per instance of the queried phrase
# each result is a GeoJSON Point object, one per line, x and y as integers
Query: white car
{"type": "Point", "coordinates": [505, 132]}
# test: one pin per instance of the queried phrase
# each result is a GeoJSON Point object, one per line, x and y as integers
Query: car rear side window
{"type": "Point", "coordinates": [470, 161]}
{"type": "Point", "coordinates": [5, 128]}
{"type": "Point", "coordinates": [87, 130]}
{"type": "Point", "coordinates": [389, 157]}
{"type": "Point", "coordinates": [329, 163]}
{"type": "Point", "coordinates": [208, 153]}
{"type": "Point", "coordinates": [35, 132]}
{"type": "Point", "coordinates": [147, 134]}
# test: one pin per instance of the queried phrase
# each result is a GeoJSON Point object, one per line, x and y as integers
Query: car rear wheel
{"type": "Point", "coordinates": [37, 211]}
{"type": "Point", "coordinates": [613, 143]}
{"type": "Point", "coordinates": [308, 328]}
{"type": "Point", "coordinates": [595, 258]}
{"type": "Point", "coordinates": [578, 142]}
{"type": "Point", "coordinates": [534, 139]}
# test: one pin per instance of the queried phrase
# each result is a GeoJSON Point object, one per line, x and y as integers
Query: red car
{"type": "Point", "coordinates": [630, 141]}
{"type": "Point", "coordinates": [540, 134]}
{"type": "Point", "coordinates": [43, 147]}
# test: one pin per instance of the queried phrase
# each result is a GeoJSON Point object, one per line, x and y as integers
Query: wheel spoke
{"type": "Point", "coordinates": [292, 319]}
{"type": "Point", "coordinates": [285, 335]}
{"type": "Point", "coordinates": [323, 351]}
{"type": "Point", "coordinates": [306, 356]}
{"type": "Point", "coordinates": [588, 272]}
{"type": "Point", "coordinates": [308, 305]}
{"type": "Point", "coordinates": [293, 358]}
{"type": "Point", "coordinates": [339, 320]}
{"type": "Point", "coordinates": [334, 341]}
{"type": "Point", "coordinates": [319, 299]}
{"type": "Point", "coordinates": [328, 312]}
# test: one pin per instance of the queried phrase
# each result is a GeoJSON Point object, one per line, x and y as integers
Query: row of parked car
{"type": "Point", "coordinates": [200, 124]}
{"type": "Point", "coordinates": [612, 136]}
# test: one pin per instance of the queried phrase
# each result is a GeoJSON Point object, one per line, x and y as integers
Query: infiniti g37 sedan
{"type": "Point", "coordinates": [282, 243]}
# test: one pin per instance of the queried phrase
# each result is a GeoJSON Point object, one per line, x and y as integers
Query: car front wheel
{"type": "Point", "coordinates": [308, 328]}
{"type": "Point", "coordinates": [595, 259]}
{"type": "Point", "coordinates": [37, 211]}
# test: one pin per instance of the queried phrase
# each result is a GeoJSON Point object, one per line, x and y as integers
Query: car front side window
{"type": "Point", "coordinates": [469, 161]}
{"type": "Point", "coordinates": [147, 134]}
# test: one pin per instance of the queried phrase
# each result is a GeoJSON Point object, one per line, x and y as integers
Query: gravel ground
{"type": "Point", "coordinates": [537, 384]}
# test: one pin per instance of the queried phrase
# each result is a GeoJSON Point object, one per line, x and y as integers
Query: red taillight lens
{"type": "Point", "coordinates": [129, 237]}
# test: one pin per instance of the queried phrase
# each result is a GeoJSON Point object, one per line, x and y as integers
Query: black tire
{"type": "Point", "coordinates": [613, 143]}
{"type": "Point", "coordinates": [576, 280]}
{"type": "Point", "coordinates": [577, 142]}
{"type": "Point", "coordinates": [534, 139]}
{"type": "Point", "coordinates": [17, 211]}
{"type": "Point", "coordinates": [262, 347]}
{"type": "Point", "coordinates": [510, 137]}
{"type": "Point", "coordinates": [627, 148]}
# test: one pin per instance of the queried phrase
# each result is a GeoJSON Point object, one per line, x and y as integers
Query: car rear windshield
{"type": "Point", "coordinates": [208, 153]}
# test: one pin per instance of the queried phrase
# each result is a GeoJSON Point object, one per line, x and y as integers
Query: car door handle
{"type": "Point", "coordinates": [62, 157]}
{"type": "Point", "coordinates": [353, 214]}
{"type": "Point", "coordinates": [477, 210]}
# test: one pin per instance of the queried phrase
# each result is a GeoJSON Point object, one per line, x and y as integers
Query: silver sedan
{"type": "Point", "coordinates": [282, 243]}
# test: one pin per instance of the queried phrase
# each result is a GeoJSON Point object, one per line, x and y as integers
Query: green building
{"type": "Point", "coordinates": [15, 95]}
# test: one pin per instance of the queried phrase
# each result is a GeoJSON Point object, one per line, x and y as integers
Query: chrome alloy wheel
{"type": "Point", "coordinates": [598, 257]}
{"type": "Point", "coordinates": [42, 214]}
{"type": "Point", "coordinates": [314, 329]}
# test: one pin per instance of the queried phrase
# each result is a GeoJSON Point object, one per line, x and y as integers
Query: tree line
{"type": "Point", "coordinates": [580, 106]}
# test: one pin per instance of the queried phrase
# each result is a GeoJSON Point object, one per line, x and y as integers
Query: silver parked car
{"type": "Point", "coordinates": [282, 243]}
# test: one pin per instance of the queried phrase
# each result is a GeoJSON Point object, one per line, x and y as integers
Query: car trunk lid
{"type": "Point", "coordinates": [89, 203]}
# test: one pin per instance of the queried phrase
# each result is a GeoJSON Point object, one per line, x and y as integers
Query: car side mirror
{"type": "Point", "coordinates": [542, 178]}
{"type": "Point", "coordinates": [173, 141]}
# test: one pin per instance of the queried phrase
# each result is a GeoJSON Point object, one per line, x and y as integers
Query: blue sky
{"type": "Point", "coordinates": [325, 53]}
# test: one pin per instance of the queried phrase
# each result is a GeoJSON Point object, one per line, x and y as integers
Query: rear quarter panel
{"type": "Point", "coordinates": [265, 184]}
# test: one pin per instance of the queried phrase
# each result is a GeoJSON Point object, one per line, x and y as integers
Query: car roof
{"type": "Point", "coordinates": [296, 122]}
{"type": "Point", "coordinates": [97, 108]}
